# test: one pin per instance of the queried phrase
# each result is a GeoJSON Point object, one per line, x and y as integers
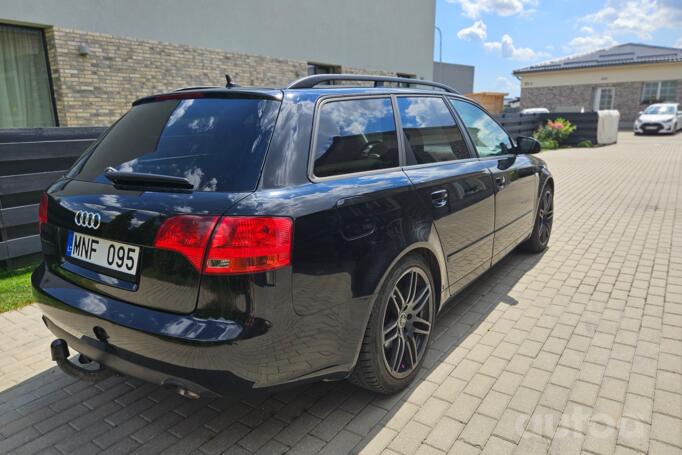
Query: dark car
{"type": "Point", "coordinates": [217, 240]}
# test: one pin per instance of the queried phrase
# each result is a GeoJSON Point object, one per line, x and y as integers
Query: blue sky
{"type": "Point", "coordinates": [498, 36]}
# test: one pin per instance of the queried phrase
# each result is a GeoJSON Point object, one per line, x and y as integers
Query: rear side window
{"type": "Point", "coordinates": [430, 131]}
{"type": "Point", "coordinates": [217, 144]}
{"type": "Point", "coordinates": [355, 136]}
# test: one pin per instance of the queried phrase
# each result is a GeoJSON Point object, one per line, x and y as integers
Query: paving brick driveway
{"type": "Point", "coordinates": [576, 350]}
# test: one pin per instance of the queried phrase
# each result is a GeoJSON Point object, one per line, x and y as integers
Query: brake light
{"type": "Point", "coordinates": [249, 244]}
{"type": "Point", "coordinates": [188, 235]}
{"type": "Point", "coordinates": [238, 244]}
{"type": "Point", "coordinates": [42, 211]}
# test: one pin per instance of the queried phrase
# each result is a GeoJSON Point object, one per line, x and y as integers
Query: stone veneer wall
{"type": "Point", "coordinates": [627, 97]}
{"type": "Point", "coordinates": [96, 89]}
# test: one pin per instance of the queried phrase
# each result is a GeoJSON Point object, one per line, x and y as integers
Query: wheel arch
{"type": "Point", "coordinates": [435, 259]}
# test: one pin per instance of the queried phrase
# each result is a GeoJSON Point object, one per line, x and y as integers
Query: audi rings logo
{"type": "Point", "coordinates": [88, 219]}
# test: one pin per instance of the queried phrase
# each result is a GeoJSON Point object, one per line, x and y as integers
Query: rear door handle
{"type": "Point", "coordinates": [500, 181]}
{"type": "Point", "coordinates": [439, 198]}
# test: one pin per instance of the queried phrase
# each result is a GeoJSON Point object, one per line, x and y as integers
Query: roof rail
{"type": "Point", "coordinates": [312, 81]}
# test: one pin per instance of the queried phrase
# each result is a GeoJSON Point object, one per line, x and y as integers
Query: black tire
{"type": "Point", "coordinates": [372, 370]}
{"type": "Point", "coordinates": [542, 229]}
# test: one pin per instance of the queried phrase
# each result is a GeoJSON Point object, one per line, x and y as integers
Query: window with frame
{"type": "Point", "coordinates": [317, 68]}
{"type": "Point", "coordinates": [660, 91]}
{"type": "Point", "coordinates": [604, 98]}
{"type": "Point", "coordinates": [406, 76]}
{"type": "Point", "coordinates": [356, 135]}
{"type": "Point", "coordinates": [25, 94]}
{"type": "Point", "coordinates": [489, 138]}
{"type": "Point", "coordinates": [668, 91]}
{"type": "Point", "coordinates": [430, 132]}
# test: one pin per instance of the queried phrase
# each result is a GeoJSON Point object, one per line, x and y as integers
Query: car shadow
{"type": "Point", "coordinates": [51, 410]}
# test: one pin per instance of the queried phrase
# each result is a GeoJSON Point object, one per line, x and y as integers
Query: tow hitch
{"type": "Point", "coordinates": [89, 372]}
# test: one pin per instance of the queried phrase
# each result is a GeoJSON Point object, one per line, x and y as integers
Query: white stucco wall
{"type": "Point", "coordinates": [390, 35]}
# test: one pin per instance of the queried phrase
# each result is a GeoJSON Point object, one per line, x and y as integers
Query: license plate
{"type": "Point", "coordinates": [116, 256]}
{"type": "Point", "coordinates": [650, 128]}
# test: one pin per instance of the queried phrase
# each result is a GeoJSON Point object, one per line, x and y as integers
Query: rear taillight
{"type": "Point", "coordinates": [249, 244]}
{"type": "Point", "coordinates": [186, 234]}
{"type": "Point", "coordinates": [238, 244]}
{"type": "Point", "coordinates": [42, 211]}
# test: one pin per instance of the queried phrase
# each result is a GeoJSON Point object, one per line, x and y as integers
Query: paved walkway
{"type": "Point", "coordinates": [576, 350]}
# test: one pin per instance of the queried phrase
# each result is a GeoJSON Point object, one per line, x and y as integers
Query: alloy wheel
{"type": "Point", "coordinates": [545, 217]}
{"type": "Point", "coordinates": [407, 322]}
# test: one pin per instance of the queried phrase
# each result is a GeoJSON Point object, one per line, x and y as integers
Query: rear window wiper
{"type": "Point", "coordinates": [147, 180]}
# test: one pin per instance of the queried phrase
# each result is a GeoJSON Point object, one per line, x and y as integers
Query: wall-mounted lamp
{"type": "Point", "coordinates": [83, 49]}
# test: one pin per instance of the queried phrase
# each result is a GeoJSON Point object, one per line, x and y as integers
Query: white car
{"type": "Point", "coordinates": [535, 110]}
{"type": "Point", "coordinates": [659, 118]}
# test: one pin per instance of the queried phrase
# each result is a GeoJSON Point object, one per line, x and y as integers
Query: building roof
{"type": "Point", "coordinates": [623, 54]}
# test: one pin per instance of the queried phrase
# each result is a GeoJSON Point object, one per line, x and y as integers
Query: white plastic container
{"type": "Point", "coordinates": [607, 127]}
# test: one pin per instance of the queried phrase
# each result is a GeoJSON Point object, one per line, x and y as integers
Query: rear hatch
{"type": "Point", "coordinates": [173, 157]}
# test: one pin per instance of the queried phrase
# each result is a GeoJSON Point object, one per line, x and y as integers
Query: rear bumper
{"type": "Point", "coordinates": [203, 355]}
{"type": "Point", "coordinates": [202, 382]}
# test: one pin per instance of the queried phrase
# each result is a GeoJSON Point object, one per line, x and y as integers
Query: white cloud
{"type": "Point", "coordinates": [475, 8]}
{"type": "Point", "coordinates": [678, 43]}
{"type": "Point", "coordinates": [639, 17]}
{"type": "Point", "coordinates": [477, 32]}
{"type": "Point", "coordinates": [583, 44]}
{"type": "Point", "coordinates": [507, 49]}
{"type": "Point", "coordinates": [506, 84]}
{"type": "Point", "coordinates": [587, 30]}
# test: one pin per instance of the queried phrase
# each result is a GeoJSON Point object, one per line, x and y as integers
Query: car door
{"type": "Point", "coordinates": [356, 215]}
{"type": "Point", "coordinates": [515, 177]}
{"type": "Point", "coordinates": [451, 183]}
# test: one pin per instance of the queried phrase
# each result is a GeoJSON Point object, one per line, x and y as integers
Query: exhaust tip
{"type": "Point", "coordinates": [181, 389]}
{"type": "Point", "coordinates": [188, 393]}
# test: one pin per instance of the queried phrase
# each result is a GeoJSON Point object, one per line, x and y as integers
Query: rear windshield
{"type": "Point", "coordinates": [217, 144]}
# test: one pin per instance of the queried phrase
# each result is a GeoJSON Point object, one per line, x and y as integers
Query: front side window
{"type": "Point", "coordinates": [25, 97]}
{"type": "Point", "coordinates": [488, 136]}
{"type": "Point", "coordinates": [355, 136]}
{"type": "Point", "coordinates": [431, 134]}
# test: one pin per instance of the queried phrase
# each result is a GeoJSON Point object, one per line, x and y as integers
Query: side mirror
{"type": "Point", "coordinates": [527, 145]}
{"type": "Point", "coordinates": [640, 112]}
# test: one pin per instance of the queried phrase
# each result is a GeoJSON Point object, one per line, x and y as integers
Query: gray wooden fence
{"type": "Point", "coordinates": [524, 125]}
{"type": "Point", "coordinates": [31, 159]}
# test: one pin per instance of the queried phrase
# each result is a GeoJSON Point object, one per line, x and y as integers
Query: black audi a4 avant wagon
{"type": "Point", "coordinates": [218, 240]}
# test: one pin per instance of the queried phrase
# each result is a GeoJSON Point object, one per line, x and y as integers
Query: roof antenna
{"type": "Point", "coordinates": [229, 83]}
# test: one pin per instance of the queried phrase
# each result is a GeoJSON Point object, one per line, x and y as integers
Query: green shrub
{"type": "Point", "coordinates": [549, 144]}
{"type": "Point", "coordinates": [558, 130]}
{"type": "Point", "coordinates": [585, 143]}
